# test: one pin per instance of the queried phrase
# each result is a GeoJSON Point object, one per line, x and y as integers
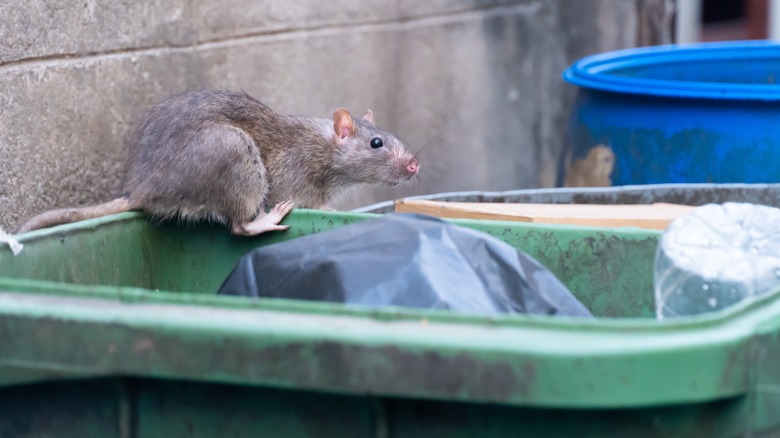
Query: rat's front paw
{"type": "Point", "coordinates": [265, 222]}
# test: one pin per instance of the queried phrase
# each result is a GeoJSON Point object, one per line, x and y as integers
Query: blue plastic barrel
{"type": "Point", "coordinates": [701, 113]}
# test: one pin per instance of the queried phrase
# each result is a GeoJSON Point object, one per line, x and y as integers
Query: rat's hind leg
{"type": "Point", "coordinates": [217, 175]}
{"type": "Point", "coordinates": [264, 221]}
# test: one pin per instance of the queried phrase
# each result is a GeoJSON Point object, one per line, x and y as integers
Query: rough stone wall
{"type": "Point", "coordinates": [476, 80]}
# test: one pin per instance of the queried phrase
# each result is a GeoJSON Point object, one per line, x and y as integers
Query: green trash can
{"type": "Point", "coordinates": [111, 328]}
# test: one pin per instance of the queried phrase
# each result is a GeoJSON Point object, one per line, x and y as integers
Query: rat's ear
{"type": "Point", "coordinates": [343, 123]}
{"type": "Point", "coordinates": [369, 117]}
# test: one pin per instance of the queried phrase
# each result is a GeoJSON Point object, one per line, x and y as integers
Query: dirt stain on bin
{"type": "Point", "coordinates": [391, 369]}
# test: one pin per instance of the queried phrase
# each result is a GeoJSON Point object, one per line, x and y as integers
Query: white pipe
{"type": "Point", "coordinates": [774, 20]}
{"type": "Point", "coordinates": [688, 22]}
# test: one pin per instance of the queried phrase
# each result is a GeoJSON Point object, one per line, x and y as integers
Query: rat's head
{"type": "Point", "coordinates": [370, 155]}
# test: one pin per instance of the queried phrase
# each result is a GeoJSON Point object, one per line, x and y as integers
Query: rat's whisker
{"type": "Point", "coordinates": [416, 154]}
{"type": "Point", "coordinates": [416, 137]}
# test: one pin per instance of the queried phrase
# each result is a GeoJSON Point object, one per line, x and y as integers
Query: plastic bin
{"type": "Point", "coordinates": [111, 328]}
{"type": "Point", "coordinates": [700, 113]}
{"type": "Point", "coordinates": [687, 194]}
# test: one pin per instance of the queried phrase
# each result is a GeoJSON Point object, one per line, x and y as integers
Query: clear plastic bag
{"type": "Point", "coordinates": [715, 257]}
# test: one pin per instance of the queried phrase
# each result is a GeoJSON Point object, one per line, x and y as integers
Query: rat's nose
{"type": "Point", "coordinates": [413, 167]}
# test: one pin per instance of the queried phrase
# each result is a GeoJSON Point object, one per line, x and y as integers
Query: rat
{"type": "Point", "coordinates": [223, 156]}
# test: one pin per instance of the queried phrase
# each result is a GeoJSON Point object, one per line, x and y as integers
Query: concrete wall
{"type": "Point", "coordinates": [476, 80]}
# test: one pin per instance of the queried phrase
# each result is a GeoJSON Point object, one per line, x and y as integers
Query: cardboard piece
{"type": "Point", "coordinates": [650, 216]}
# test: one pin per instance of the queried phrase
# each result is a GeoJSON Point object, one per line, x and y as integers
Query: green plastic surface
{"type": "Point", "coordinates": [116, 303]}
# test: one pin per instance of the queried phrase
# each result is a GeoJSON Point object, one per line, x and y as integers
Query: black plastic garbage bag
{"type": "Point", "coordinates": [404, 260]}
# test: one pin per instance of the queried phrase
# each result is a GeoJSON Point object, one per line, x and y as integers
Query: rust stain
{"type": "Point", "coordinates": [143, 344]}
{"type": "Point", "coordinates": [525, 385]}
{"type": "Point", "coordinates": [735, 372]}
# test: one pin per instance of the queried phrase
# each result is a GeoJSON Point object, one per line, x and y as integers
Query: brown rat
{"type": "Point", "coordinates": [224, 156]}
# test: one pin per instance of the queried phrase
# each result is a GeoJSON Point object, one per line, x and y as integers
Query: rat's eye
{"type": "Point", "coordinates": [376, 142]}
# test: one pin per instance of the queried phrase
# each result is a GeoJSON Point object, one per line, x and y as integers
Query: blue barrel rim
{"type": "Point", "coordinates": [592, 71]}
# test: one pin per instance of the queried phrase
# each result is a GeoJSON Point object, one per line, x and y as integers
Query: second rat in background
{"type": "Point", "coordinates": [224, 156]}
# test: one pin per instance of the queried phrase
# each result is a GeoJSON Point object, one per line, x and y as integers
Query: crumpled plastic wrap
{"type": "Point", "coordinates": [406, 260]}
{"type": "Point", "coordinates": [14, 244]}
{"type": "Point", "coordinates": [715, 257]}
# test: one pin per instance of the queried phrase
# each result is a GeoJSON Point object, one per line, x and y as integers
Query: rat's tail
{"type": "Point", "coordinates": [68, 215]}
